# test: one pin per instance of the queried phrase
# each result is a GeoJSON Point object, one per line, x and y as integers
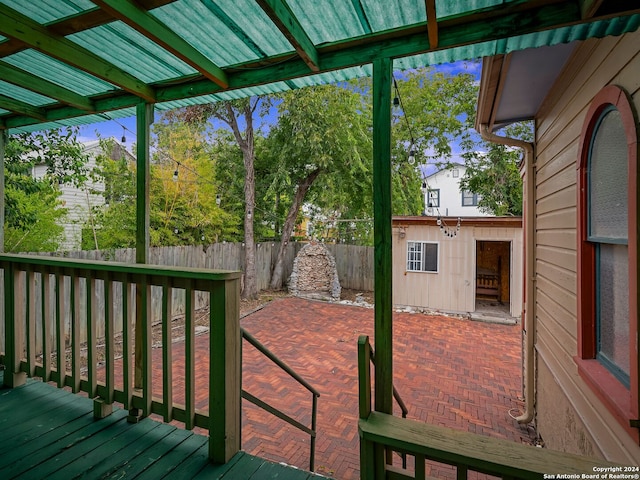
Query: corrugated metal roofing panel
{"type": "Point", "coordinates": [24, 95]}
{"type": "Point", "coordinates": [57, 72]}
{"type": "Point", "coordinates": [220, 29]}
{"type": "Point", "coordinates": [77, 121]}
{"type": "Point", "coordinates": [237, 34]}
{"type": "Point", "coordinates": [46, 11]}
{"type": "Point", "coordinates": [328, 21]}
{"type": "Point", "coordinates": [601, 28]}
{"type": "Point", "coordinates": [132, 52]}
{"type": "Point", "coordinates": [333, 77]}
{"type": "Point", "coordinates": [393, 14]}
{"type": "Point", "coordinates": [448, 8]}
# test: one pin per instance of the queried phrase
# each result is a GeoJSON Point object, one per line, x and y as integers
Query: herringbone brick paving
{"type": "Point", "coordinates": [449, 371]}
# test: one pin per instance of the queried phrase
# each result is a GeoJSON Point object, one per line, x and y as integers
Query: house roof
{"type": "Point", "coordinates": [506, 222]}
{"type": "Point", "coordinates": [515, 83]}
{"type": "Point", "coordinates": [79, 61]}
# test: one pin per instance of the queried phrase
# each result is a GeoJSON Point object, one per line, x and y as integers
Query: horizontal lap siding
{"type": "Point", "coordinates": [452, 289]}
{"type": "Point", "coordinates": [568, 415]}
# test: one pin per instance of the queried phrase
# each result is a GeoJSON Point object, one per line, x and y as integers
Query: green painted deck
{"type": "Point", "coordinates": [50, 433]}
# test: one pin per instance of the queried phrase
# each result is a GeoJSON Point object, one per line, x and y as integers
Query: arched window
{"type": "Point", "coordinates": [607, 254]}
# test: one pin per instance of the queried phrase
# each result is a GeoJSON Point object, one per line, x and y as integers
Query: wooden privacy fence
{"type": "Point", "coordinates": [39, 290]}
{"type": "Point", "coordinates": [354, 264]}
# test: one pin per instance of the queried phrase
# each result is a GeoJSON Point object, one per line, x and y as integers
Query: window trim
{"type": "Point", "coordinates": [622, 402]}
{"type": "Point", "coordinates": [437, 205]}
{"type": "Point", "coordinates": [473, 196]}
{"type": "Point", "coordinates": [437, 244]}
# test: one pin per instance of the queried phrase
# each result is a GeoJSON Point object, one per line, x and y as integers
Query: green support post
{"type": "Point", "coordinates": [142, 364]}
{"type": "Point", "coordinates": [3, 143]}
{"type": "Point", "coordinates": [382, 79]}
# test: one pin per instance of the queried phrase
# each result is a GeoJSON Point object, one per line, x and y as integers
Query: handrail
{"type": "Point", "coordinates": [51, 305]}
{"type": "Point", "coordinates": [278, 413]}
{"type": "Point", "coordinates": [396, 395]}
{"type": "Point", "coordinates": [382, 433]}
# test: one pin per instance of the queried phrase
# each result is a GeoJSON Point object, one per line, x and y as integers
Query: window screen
{"type": "Point", "coordinates": [608, 175]}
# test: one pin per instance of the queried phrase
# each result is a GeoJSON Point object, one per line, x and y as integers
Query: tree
{"type": "Point", "coordinates": [436, 111]}
{"type": "Point", "coordinates": [183, 193]}
{"type": "Point", "coordinates": [494, 174]}
{"type": "Point", "coordinates": [238, 115]}
{"type": "Point", "coordinates": [322, 132]}
{"type": "Point", "coordinates": [33, 211]}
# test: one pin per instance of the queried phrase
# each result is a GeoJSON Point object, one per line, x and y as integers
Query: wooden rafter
{"type": "Point", "coordinates": [26, 80]}
{"type": "Point", "coordinates": [280, 14]}
{"type": "Point", "coordinates": [432, 23]}
{"type": "Point", "coordinates": [149, 26]}
{"type": "Point", "coordinates": [22, 108]}
{"type": "Point", "coordinates": [77, 23]}
{"type": "Point", "coordinates": [362, 16]}
{"type": "Point", "coordinates": [15, 25]}
{"type": "Point", "coordinates": [489, 24]}
{"type": "Point", "coordinates": [588, 8]}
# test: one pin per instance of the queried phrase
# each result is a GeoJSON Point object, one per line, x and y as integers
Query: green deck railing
{"type": "Point", "coordinates": [55, 307]}
{"type": "Point", "coordinates": [381, 433]}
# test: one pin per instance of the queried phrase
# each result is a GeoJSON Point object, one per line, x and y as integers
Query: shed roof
{"type": "Point", "coordinates": [69, 62]}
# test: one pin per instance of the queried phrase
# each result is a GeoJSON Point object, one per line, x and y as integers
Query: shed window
{"type": "Point", "coordinates": [607, 260]}
{"type": "Point", "coordinates": [422, 257]}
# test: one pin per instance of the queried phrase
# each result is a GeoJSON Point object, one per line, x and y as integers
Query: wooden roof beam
{"type": "Point", "coordinates": [22, 108]}
{"type": "Point", "coordinates": [76, 23]}
{"type": "Point", "coordinates": [432, 23]}
{"type": "Point", "coordinates": [588, 8]}
{"type": "Point", "coordinates": [280, 14]}
{"type": "Point", "coordinates": [36, 84]}
{"type": "Point", "coordinates": [15, 25]}
{"type": "Point", "coordinates": [149, 26]}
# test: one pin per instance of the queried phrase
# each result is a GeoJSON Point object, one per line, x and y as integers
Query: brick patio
{"type": "Point", "coordinates": [453, 372]}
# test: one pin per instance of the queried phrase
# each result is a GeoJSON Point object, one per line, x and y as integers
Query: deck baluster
{"type": "Point", "coordinates": [167, 354]}
{"type": "Point", "coordinates": [92, 313]}
{"type": "Point", "coordinates": [75, 333]}
{"type": "Point", "coordinates": [190, 356]}
{"type": "Point", "coordinates": [45, 280]}
{"type": "Point", "coordinates": [60, 334]}
{"type": "Point", "coordinates": [31, 322]}
{"type": "Point", "coordinates": [127, 302]}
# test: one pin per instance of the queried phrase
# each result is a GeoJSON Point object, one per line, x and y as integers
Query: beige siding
{"type": "Point", "coordinates": [569, 417]}
{"type": "Point", "coordinates": [452, 289]}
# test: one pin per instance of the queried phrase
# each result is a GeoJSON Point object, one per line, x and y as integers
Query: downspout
{"type": "Point", "coordinates": [529, 220]}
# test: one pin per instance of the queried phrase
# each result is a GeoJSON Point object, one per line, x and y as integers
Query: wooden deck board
{"type": "Point", "coordinates": [51, 434]}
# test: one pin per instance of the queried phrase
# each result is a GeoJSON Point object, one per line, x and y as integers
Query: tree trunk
{"type": "Point", "coordinates": [287, 229]}
{"type": "Point", "coordinates": [250, 284]}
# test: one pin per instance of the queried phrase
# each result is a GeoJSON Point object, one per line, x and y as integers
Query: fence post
{"type": "Point", "coordinates": [13, 376]}
{"type": "Point", "coordinates": [225, 365]}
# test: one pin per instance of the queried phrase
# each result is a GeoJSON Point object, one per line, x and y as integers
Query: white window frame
{"type": "Point", "coordinates": [416, 260]}
{"type": "Point", "coordinates": [433, 202]}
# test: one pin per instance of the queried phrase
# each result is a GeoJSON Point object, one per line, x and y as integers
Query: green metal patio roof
{"type": "Point", "coordinates": [70, 62]}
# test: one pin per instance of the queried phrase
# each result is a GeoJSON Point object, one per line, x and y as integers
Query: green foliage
{"type": "Point", "coordinates": [183, 211]}
{"type": "Point", "coordinates": [436, 111]}
{"type": "Point", "coordinates": [322, 143]}
{"type": "Point", "coordinates": [33, 211]}
{"type": "Point", "coordinates": [494, 174]}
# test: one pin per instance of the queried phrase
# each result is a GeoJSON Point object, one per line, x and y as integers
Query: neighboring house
{"type": "Point", "coordinates": [443, 196]}
{"type": "Point", "coordinates": [581, 235]}
{"type": "Point", "coordinates": [436, 269]}
{"type": "Point", "coordinates": [78, 201]}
